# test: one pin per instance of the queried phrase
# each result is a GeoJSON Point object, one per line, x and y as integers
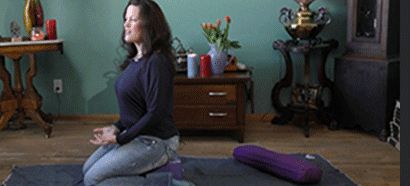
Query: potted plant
{"type": "Point", "coordinates": [219, 44]}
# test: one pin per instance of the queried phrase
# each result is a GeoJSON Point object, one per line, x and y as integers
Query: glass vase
{"type": "Point", "coordinates": [219, 60]}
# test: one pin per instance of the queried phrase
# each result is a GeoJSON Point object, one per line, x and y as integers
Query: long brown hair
{"type": "Point", "coordinates": [156, 33]}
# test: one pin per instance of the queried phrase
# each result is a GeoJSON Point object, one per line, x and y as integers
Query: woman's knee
{"type": "Point", "coordinates": [98, 154]}
{"type": "Point", "coordinates": [85, 169]}
{"type": "Point", "coordinates": [86, 166]}
{"type": "Point", "coordinates": [91, 178]}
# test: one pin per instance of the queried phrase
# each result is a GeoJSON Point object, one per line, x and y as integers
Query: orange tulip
{"type": "Point", "coordinates": [228, 19]}
{"type": "Point", "coordinates": [208, 25]}
{"type": "Point", "coordinates": [218, 22]}
{"type": "Point", "coordinates": [219, 36]}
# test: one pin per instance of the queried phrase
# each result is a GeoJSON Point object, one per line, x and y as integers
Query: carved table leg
{"type": "Point", "coordinates": [32, 100]}
{"type": "Point", "coordinates": [326, 113]}
{"type": "Point", "coordinates": [35, 116]}
{"type": "Point", "coordinates": [306, 78]}
{"type": "Point", "coordinates": [47, 117]}
{"type": "Point", "coordinates": [8, 102]}
{"type": "Point", "coordinates": [240, 135]}
{"type": "Point", "coordinates": [251, 96]}
{"type": "Point", "coordinates": [18, 90]}
{"type": "Point", "coordinates": [285, 114]}
{"type": "Point", "coordinates": [306, 128]}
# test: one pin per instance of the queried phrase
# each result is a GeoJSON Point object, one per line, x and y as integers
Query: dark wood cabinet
{"type": "Point", "coordinates": [365, 93]}
{"type": "Point", "coordinates": [373, 28]}
{"type": "Point", "coordinates": [214, 103]}
{"type": "Point", "coordinates": [367, 76]}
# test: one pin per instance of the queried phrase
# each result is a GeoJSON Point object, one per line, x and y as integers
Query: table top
{"type": "Point", "coordinates": [15, 50]}
{"type": "Point", "coordinates": [304, 46]}
{"type": "Point", "coordinates": [227, 77]}
{"type": "Point", "coordinates": [23, 43]}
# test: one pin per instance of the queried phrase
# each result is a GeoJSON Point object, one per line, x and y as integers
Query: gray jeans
{"type": "Point", "coordinates": [142, 154]}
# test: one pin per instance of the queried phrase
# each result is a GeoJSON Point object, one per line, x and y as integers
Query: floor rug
{"type": "Point", "coordinates": [197, 170]}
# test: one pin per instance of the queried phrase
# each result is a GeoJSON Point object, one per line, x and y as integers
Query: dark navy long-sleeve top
{"type": "Point", "coordinates": [145, 97]}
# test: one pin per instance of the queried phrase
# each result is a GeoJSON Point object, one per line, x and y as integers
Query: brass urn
{"type": "Point", "coordinates": [304, 24]}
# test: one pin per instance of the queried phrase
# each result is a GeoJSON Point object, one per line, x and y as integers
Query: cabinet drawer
{"type": "Point", "coordinates": [204, 94]}
{"type": "Point", "coordinates": [207, 115]}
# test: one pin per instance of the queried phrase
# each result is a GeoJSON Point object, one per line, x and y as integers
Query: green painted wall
{"type": "Point", "coordinates": [91, 31]}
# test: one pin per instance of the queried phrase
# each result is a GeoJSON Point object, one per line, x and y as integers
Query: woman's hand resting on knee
{"type": "Point", "coordinates": [105, 135]}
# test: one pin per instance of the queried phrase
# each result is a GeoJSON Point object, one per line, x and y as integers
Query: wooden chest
{"type": "Point", "coordinates": [214, 103]}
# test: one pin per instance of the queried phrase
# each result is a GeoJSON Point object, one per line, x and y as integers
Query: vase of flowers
{"type": "Point", "coordinates": [219, 44]}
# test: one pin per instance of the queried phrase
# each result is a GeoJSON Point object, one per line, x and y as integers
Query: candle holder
{"type": "Point", "coordinates": [304, 24]}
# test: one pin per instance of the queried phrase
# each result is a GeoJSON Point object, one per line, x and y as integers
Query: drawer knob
{"type": "Point", "coordinates": [217, 94]}
{"type": "Point", "coordinates": [218, 114]}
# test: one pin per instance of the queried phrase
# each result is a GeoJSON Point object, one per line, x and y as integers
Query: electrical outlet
{"type": "Point", "coordinates": [58, 86]}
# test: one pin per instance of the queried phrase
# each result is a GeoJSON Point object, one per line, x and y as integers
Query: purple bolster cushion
{"type": "Point", "coordinates": [173, 166]}
{"type": "Point", "coordinates": [279, 164]}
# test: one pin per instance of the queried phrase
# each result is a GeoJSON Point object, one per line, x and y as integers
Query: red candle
{"type": "Point", "coordinates": [205, 66]}
{"type": "Point", "coordinates": [51, 29]}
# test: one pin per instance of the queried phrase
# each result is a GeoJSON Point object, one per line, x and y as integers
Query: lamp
{"type": "Point", "coordinates": [304, 24]}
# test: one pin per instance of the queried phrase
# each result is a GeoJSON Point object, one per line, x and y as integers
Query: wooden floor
{"type": "Point", "coordinates": [362, 157]}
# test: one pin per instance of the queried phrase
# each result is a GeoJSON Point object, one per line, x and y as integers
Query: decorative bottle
{"type": "Point", "coordinates": [33, 15]}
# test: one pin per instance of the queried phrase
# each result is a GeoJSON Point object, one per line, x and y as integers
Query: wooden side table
{"type": "Point", "coordinates": [212, 103]}
{"type": "Point", "coordinates": [16, 100]}
{"type": "Point", "coordinates": [286, 111]}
